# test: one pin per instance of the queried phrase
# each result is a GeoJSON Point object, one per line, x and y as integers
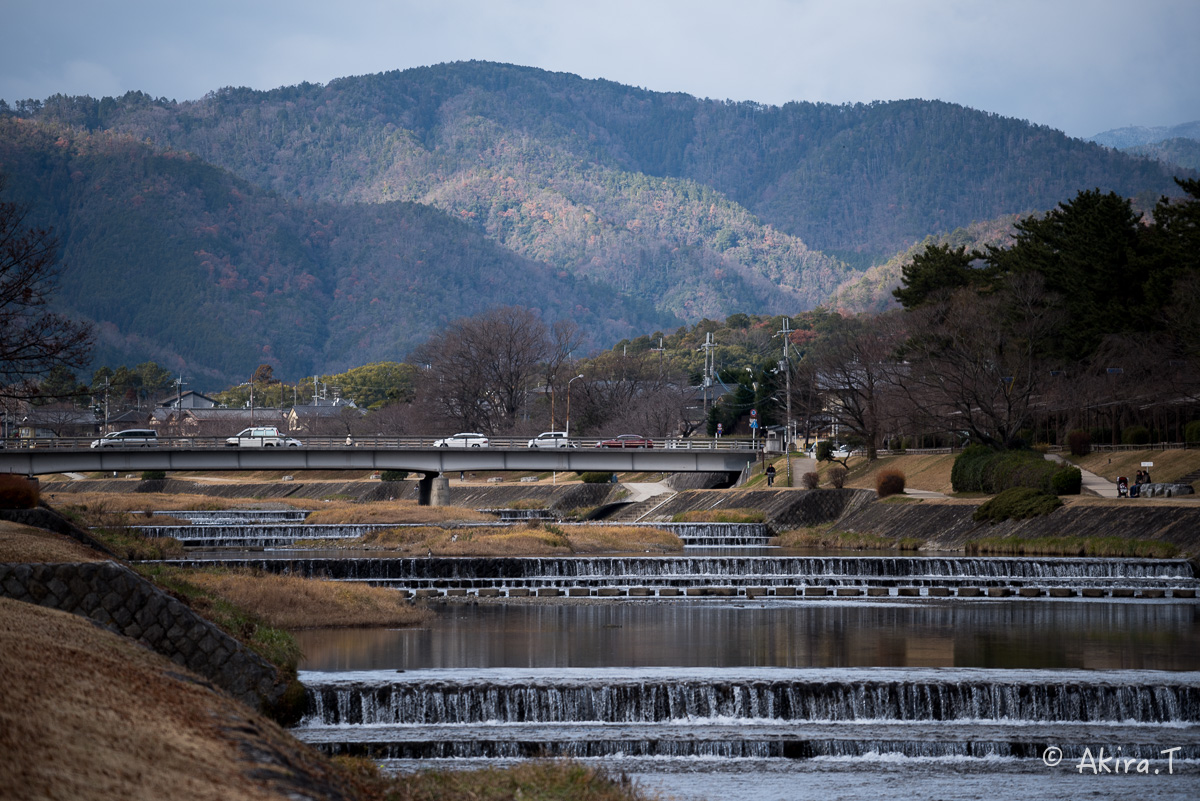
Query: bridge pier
{"type": "Point", "coordinates": [433, 489]}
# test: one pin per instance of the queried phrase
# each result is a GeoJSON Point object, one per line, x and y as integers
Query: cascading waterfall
{"type": "Point", "coordinates": [782, 713]}
{"type": "Point", "coordinates": [737, 572]}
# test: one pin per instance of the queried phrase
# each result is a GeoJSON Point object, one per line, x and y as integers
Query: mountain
{"type": "Point", "coordinates": [526, 154]}
{"type": "Point", "coordinates": [1179, 153]}
{"type": "Point", "coordinates": [366, 212]}
{"type": "Point", "coordinates": [181, 262]}
{"type": "Point", "coordinates": [1121, 138]}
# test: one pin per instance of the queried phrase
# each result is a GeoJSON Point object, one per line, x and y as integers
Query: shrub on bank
{"type": "Point", "coordinates": [837, 476]}
{"type": "Point", "coordinates": [393, 475]}
{"type": "Point", "coordinates": [17, 492]}
{"type": "Point", "coordinates": [153, 475]}
{"type": "Point", "coordinates": [889, 482]}
{"type": "Point", "coordinates": [1135, 435]}
{"type": "Point", "coordinates": [1191, 432]}
{"type": "Point", "coordinates": [811, 480]}
{"type": "Point", "coordinates": [983, 469]}
{"type": "Point", "coordinates": [1079, 442]}
{"type": "Point", "coordinates": [596, 477]}
{"type": "Point", "coordinates": [1016, 503]}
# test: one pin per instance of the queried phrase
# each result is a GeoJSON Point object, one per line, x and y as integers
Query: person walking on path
{"type": "Point", "coordinates": [770, 475]}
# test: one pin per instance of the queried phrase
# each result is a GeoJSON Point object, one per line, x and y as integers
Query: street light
{"type": "Point", "coordinates": [572, 381]}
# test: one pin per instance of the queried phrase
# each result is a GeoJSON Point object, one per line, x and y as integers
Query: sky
{"type": "Point", "coordinates": [1081, 66]}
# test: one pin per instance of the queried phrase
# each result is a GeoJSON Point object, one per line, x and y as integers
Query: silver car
{"type": "Point", "coordinates": [466, 439]}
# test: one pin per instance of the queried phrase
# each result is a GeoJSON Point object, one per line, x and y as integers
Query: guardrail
{"type": "Point", "coordinates": [371, 441]}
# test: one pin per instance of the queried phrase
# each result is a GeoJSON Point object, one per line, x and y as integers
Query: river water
{"type": "Point", "coordinates": [786, 695]}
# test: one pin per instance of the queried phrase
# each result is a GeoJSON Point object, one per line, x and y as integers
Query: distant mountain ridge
{"type": "Point", "coordinates": [617, 206]}
{"type": "Point", "coordinates": [1134, 135]}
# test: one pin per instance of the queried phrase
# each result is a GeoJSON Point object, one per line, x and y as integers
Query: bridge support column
{"type": "Point", "coordinates": [433, 489]}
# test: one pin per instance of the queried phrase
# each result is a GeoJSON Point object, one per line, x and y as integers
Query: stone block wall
{"type": "Point", "coordinates": [117, 598]}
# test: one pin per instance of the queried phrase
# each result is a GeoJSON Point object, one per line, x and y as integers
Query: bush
{"type": "Point", "coordinates": [153, 475]}
{"type": "Point", "coordinates": [823, 451]}
{"type": "Point", "coordinates": [17, 492]}
{"type": "Point", "coordinates": [811, 480]}
{"type": "Point", "coordinates": [1067, 481]}
{"type": "Point", "coordinates": [837, 476]}
{"type": "Point", "coordinates": [1079, 442]}
{"type": "Point", "coordinates": [889, 482]}
{"type": "Point", "coordinates": [983, 469]}
{"type": "Point", "coordinates": [393, 475]}
{"type": "Point", "coordinates": [1017, 503]}
{"type": "Point", "coordinates": [597, 477]}
{"type": "Point", "coordinates": [1191, 432]}
{"type": "Point", "coordinates": [1135, 435]}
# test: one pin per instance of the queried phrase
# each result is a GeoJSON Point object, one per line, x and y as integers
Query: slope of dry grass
{"type": "Point", "coordinates": [533, 539]}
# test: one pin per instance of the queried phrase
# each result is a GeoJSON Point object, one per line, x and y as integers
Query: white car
{"type": "Point", "coordinates": [131, 438]}
{"type": "Point", "coordinates": [261, 437]}
{"type": "Point", "coordinates": [467, 439]}
{"type": "Point", "coordinates": [552, 439]}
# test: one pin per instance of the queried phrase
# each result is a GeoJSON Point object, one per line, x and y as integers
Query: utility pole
{"type": "Point", "coordinates": [786, 333]}
{"type": "Point", "coordinates": [709, 359]}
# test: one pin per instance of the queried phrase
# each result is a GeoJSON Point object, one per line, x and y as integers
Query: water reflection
{"type": "Point", "coordinates": [1013, 634]}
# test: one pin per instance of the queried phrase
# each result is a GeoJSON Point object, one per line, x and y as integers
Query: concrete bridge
{"type": "Point", "coordinates": [432, 462]}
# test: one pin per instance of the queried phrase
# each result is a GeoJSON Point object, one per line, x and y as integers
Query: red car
{"type": "Point", "coordinates": [626, 441]}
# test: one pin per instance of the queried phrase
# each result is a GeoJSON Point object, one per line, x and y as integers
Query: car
{"type": "Point", "coordinates": [552, 439]}
{"type": "Point", "coordinates": [626, 441]}
{"type": "Point", "coordinates": [130, 438]}
{"type": "Point", "coordinates": [261, 437]}
{"type": "Point", "coordinates": [466, 439]}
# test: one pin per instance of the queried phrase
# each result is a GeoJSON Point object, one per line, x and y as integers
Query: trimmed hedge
{"type": "Point", "coordinates": [596, 477]}
{"type": "Point", "coordinates": [983, 469]}
{"type": "Point", "coordinates": [393, 475]}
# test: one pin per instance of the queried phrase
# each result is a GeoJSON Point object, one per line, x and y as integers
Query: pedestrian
{"type": "Point", "coordinates": [770, 475]}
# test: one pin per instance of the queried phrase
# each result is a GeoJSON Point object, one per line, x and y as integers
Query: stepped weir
{"type": "Point", "coordinates": [749, 713]}
{"type": "Point", "coordinates": [744, 576]}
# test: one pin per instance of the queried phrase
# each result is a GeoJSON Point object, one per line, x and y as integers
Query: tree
{"type": "Point", "coordinates": [937, 270]}
{"type": "Point", "coordinates": [855, 367]}
{"type": "Point", "coordinates": [976, 363]}
{"type": "Point", "coordinates": [481, 368]}
{"type": "Point", "coordinates": [33, 340]}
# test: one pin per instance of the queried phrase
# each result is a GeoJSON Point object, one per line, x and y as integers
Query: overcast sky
{"type": "Point", "coordinates": [1082, 66]}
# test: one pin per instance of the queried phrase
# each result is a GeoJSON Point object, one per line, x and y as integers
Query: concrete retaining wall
{"type": "Point", "coordinates": [115, 597]}
{"type": "Point", "coordinates": [950, 527]}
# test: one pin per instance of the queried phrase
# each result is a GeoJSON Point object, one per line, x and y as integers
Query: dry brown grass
{"type": "Point", "coordinates": [929, 472]}
{"type": "Point", "coordinates": [391, 512]}
{"type": "Point", "coordinates": [28, 544]}
{"type": "Point", "coordinates": [621, 539]}
{"type": "Point", "coordinates": [90, 716]}
{"type": "Point", "coordinates": [291, 602]}
{"type": "Point", "coordinates": [1168, 465]}
{"type": "Point", "coordinates": [533, 539]}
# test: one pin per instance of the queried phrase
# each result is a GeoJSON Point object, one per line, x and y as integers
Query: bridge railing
{"type": "Point", "coordinates": [381, 442]}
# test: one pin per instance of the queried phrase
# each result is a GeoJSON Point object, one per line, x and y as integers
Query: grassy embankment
{"type": "Point", "coordinates": [932, 472]}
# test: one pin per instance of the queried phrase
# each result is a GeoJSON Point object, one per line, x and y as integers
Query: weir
{"type": "Point", "coordinates": [741, 575]}
{"type": "Point", "coordinates": [756, 713]}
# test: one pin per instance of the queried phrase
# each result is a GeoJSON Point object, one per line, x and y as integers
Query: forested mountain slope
{"type": "Point", "coordinates": [525, 155]}
{"type": "Point", "coordinates": [181, 262]}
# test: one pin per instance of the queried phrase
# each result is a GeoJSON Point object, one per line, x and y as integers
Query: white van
{"type": "Point", "coordinates": [132, 438]}
{"type": "Point", "coordinates": [261, 437]}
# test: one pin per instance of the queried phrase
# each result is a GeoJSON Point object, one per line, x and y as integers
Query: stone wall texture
{"type": "Point", "coordinates": [115, 597]}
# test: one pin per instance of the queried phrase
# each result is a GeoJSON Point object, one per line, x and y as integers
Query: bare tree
{"type": "Point", "coordinates": [481, 369]}
{"type": "Point", "coordinates": [976, 360]}
{"type": "Point", "coordinates": [854, 367]}
{"type": "Point", "coordinates": [33, 340]}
